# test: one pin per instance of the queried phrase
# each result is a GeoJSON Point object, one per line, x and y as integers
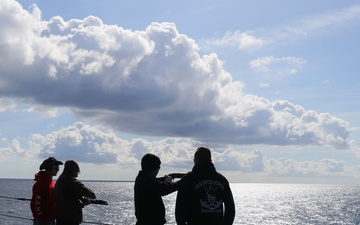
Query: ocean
{"type": "Point", "coordinates": [256, 204]}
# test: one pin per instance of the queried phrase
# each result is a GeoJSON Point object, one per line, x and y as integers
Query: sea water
{"type": "Point", "coordinates": [255, 203]}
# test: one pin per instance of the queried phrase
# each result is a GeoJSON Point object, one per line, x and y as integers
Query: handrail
{"type": "Point", "coordinates": [24, 218]}
{"type": "Point", "coordinates": [98, 202]}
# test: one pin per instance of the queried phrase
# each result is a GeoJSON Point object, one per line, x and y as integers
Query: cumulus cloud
{"type": "Point", "coordinates": [150, 82]}
{"type": "Point", "coordinates": [237, 161]}
{"type": "Point", "coordinates": [100, 145]}
{"type": "Point", "coordinates": [85, 143]}
{"type": "Point", "coordinates": [14, 148]}
{"type": "Point", "coordinates": [97, 144]}
{"type": "Point", "coordinates": [290, 167]}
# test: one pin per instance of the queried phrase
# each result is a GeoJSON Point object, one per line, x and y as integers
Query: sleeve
{"type": "Point", "coordinates": [38, 204]}
{"type": "Point", "coordinates": [229, 203]}
{"type": "Point", "coordinates": [160, 178]}
{"type": "Point", "coordinates": [83, 191]}
{"type": "Point", "coordinates": [166, 187]}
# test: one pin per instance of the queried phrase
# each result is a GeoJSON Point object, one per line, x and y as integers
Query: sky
{"type": "Point", "coordinates": [271, 87]}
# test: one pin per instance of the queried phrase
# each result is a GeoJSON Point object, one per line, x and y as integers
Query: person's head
{"type": "Point", "coordinates": [202, 154]}
{"type": "Point", "coordinates": [150, 164]}
{"type": "Point", "coordinates": [71, 168]}
{"type": "Point", "coordinates": [50, 165]}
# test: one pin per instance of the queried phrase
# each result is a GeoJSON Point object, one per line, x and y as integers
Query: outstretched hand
{"type": "Point", "coordinates": [175, 175]}
{"type": "Point", "coordinates": [168, 178]}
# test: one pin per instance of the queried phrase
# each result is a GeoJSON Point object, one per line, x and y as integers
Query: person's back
{"type": "Point", "coordinates": [70, 196]}
{"type": "Point", "coordinates": [68, 204]}
{"type": "Point", "coordinates": [202, 195]}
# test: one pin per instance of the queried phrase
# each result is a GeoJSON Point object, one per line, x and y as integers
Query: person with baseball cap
{"type": "Point", "coordinates": [43, 201]}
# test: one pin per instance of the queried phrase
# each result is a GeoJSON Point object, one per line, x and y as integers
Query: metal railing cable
{"type": "Point", "coordinates": [100, 202]}
{"type": "Point", "coordinates": [21, 199]}
{"type": "Point", "coordinates": [24, 218]}
{"type": "Point", "coordinates": [17, 217]}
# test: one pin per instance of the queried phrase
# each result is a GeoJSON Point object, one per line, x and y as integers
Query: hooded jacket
{"type": "Point", "coordinates": [149, 206]}
{"type": "Point", "coordinates": [69, 195]}
{"type": "Point", "coordinates": [201, 198]}
{"type": "Point", "coordinates": [43, 202]}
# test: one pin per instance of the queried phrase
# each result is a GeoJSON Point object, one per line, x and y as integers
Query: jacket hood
{"type": "Point", "coordinates": [204, 168]}
{"type": "Point", "coordinates": [42, 175]}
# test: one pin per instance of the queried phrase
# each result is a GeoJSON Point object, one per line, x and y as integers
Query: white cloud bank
{"type": "Point", "coordinates": [99, 146]}
{"type": "Point", "coordinates": [151, 82]}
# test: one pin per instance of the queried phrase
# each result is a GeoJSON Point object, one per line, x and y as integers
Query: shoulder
{"type": "Point", "coordinates": [187, 179]}
{"type": "Point", "coordinates": [221, 178]}
{"type": "Point", "coordinates": [188, 176]}
{"type": "Point", "coordinates": [142, 182]}
{"type": "Point", "coordinates": [77, 183]}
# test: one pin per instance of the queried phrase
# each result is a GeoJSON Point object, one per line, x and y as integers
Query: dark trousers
{"type": "Point", "coordinates": [64, 222]}
{"type": "Point", "coordinates": [46, 222]}
{"type": "Point", "coordinates": [148, 223]}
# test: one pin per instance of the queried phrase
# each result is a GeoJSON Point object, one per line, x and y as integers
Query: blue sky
{"type": "Point", "coordinates": [270, 87]}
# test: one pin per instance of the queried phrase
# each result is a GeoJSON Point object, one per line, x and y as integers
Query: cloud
{"type": "Point", "coordinates": [326, 82]}
{"type": "Point", "coordinates": [151, 82]}
{"type": "Point", "coordinates": [243, 40]}
{"type": "Point", "coordinates": [86, 144]}
{"type": "Point", "coordinates": [243, 162]}
{"type": "Point", "coordinates": [289, 167]}
{"type": "Point", "coordinates": [8, 104]}
{"type": "Point", "coordinates": [100, 145]}
{"type": "Point", "coordinates": [263, 64]}
{"type": "Point", "coordinates": [14, 148]}
{"type": "Point", "coordinates": [264, 85]}
{"type": "Point", "coordinates": [321, 24]}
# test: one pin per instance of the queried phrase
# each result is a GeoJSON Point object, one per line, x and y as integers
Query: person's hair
{"type": "Point", "coordinates": [70, 167]}
{"type": "Point", "coordinates": [202, 154]}
{"type": "Point", "coordinates": [150, 163]}
{"type": "Point", "coordinates": [48, 167]}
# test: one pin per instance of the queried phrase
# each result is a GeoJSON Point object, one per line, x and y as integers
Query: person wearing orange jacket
{"type": "Point", "coordinates": [43, 201]}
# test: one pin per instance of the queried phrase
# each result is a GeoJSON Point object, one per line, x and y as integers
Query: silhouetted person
{"type": "Point", "coordinates": [204, 196]}
{"type": "Point", "coordinates": [43, 201]}
{"type": "Point", "coordinates": [71, 195]}
{"type": "Point", "coordinates": [149, 206]}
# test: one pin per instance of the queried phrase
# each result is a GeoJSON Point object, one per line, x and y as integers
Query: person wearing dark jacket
{"type": "Point", "coordinates": [204, 196]}
{"type": "Point", "coordinates": [148, 192]}
{"type": "Point", "coordinates": [71, 195]}
{"type": "Point", "coordinates": [42, 201]}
